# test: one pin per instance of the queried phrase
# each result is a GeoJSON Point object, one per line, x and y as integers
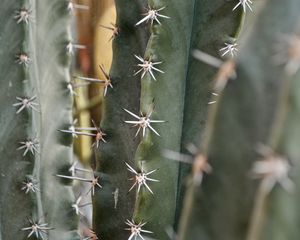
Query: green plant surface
{"type": "Point", "coordinates": [243, 118]}
{"type": "Point", "coordinates": [176, 97]}
{"type": "Point", "coordinates": [279, 216]}
{"type": "Point", "coordinates": [43, 39]}
{"type": "Point", "coordinates": [13, 168]}
{"type": "Point", "coordinates": [108, 221]}
{"type": "Point", "coordinates": [181, 97]}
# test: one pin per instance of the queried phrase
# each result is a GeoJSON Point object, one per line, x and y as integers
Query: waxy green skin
{"type": "Point", "coordinates": [179, 96]}
{"type": "Point", "coordinates": [222, 206]}
{"type": "Point", "coordinates": [44, 39]}
{"type": "Point", "coordinates": [13, 168]}
{"type": "Point", "coordinates": [108, 221]}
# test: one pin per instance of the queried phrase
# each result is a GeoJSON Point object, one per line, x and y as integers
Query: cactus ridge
{"type": "Point", "coordinates": [36, 204]}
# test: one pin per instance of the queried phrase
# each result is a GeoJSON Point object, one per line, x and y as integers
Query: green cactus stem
{"type": "Point", "coordinates": [240, 122]}
{"type": "Point", "coordinates": [35, 102]}
{"type": "Point", "coordinates": [181, 96]}
{"type": "Point", "coordinates": [112, 204]}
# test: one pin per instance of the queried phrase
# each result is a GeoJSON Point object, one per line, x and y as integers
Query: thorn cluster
{"type": "Point", "coordinates": [143, 122]}
{"type": "Point", "coordinates": [29, 146]}
{"type": "Point", "coordinates": [23, 59]}
{"type": "Point", "coordinates": [94, 182]}
{"type": "Point", "coordinates": [136, 229]}
{"type": "Point", "coordinates": [106, 82]}
{"type": "Point", "coordinates": [23, 15]}
{"type": "Point", "coordinates": [230, 48]}
{"type": "Point", "coordinates": [26, 102]}
{"type": "Point", "coordinates": [29, 186]}
{"type": "Point", "coordinates": [38, 229]}
{"type": "Point", "coordinates": [198, 160]}
{"type": "Point", "coordinates": [115, 30]}
{"type": "Point", "coordinates": [141, 178]}
{"type": "Point", "coordinates": [99, 135]}
{"type": "Point", "coordinates": [288, 53]}
{"type": "Point", "coordinates": [147, 66]}
{"type": "Point", "coordinates": [273, 169]}
{"type": "Point", "coordinates": [152, 15]}
{"type": "Point", "coordinates": [244, 4]}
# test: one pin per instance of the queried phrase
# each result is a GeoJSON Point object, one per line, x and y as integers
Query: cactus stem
{"type": "Point", "coordinates": [30, 186]}
{"type": "Point", "coordinates": [136, 229]}
{"type": "Point", "coordinates": [23, 15]}
{"type": "Point", "coordinates": [230, 48]}
{"type": "Point", "coordinates": [244, 4]}
{"type": "Point", "coordinates": [143, 122]}
{"type": "Point", "coordinates": [147, 66]}
{"type": "Point", "coordinates": [38, 229]}
{"type": "Point", "coordinates": [23, 59]}
{"type": "Point", "coordinates": [29, 145]}
{"type": "Point", "coordinates": [152, 15]}
{"type": "Point", "coordinates": [26, 102]}
{"type": "Point", "coordinates": [141, 178]}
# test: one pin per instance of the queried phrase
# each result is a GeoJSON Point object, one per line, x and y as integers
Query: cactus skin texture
{"type": "Point", "coordinates": [108, 221]}
{"type": "Point", "coordinates": [179, 96]}
{"type": "Point", "coordinates": [258, 107]}
{"type": "Point", "coordinates": [45, 76]}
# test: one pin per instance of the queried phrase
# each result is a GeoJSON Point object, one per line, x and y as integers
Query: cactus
{"type": "Point", "coordinates": [158, 115]}
{"type": "Point", "coordinates": [180, 96]}
{"type": "Point", "coordinates": [174, 90]}
{"type": "Point", "coordinates": [252, 119]}
{"type": "Point", "coordinates": [110, 211]}
{"type": "Point", "coordinates": [35, 102]}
